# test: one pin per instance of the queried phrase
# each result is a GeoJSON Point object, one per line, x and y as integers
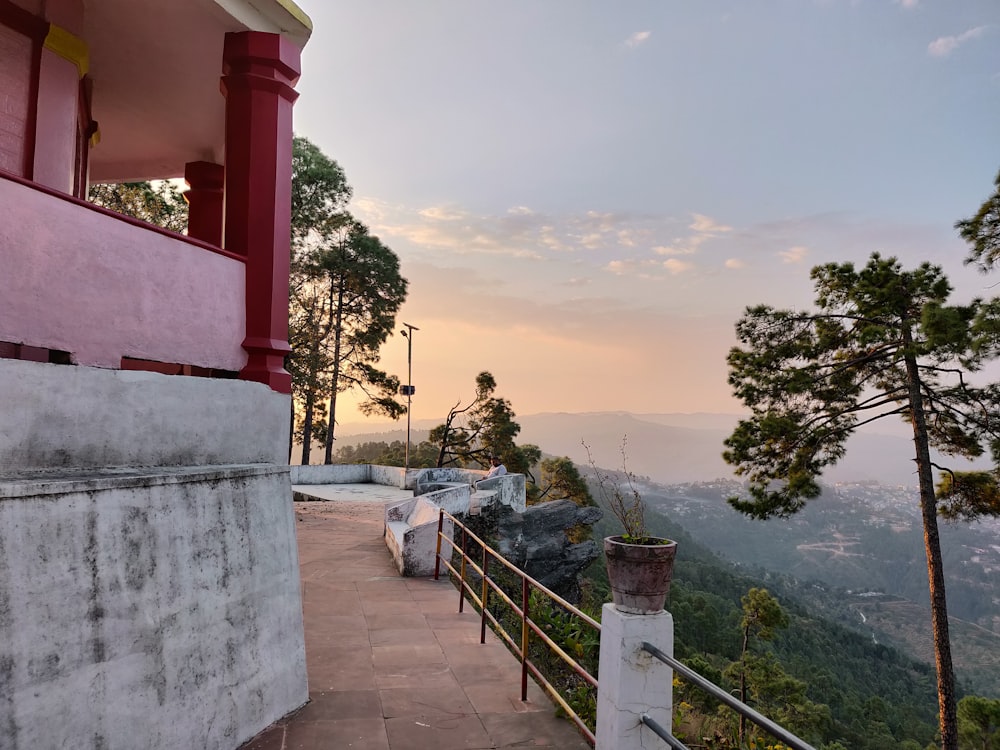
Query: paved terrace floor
{"type": "Point", "coordinates": [392, 664]}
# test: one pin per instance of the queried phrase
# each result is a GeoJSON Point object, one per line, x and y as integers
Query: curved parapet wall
{"type": "Point", "coordinates": [149, 609]}
{"type": "Point", "coordinates": [149, 581]}
{"type": "Point", "coordinates": [58, 416]}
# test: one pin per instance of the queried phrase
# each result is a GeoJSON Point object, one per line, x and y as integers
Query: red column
{"type": "Point", "coordinates": [259, 70]}
{"type": "Point", "coordinates": [204, 200]}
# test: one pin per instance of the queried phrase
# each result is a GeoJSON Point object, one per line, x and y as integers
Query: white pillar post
{"type": "Point", "coordinates": [632, 682]}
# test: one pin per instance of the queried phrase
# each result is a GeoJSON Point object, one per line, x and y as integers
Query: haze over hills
{"type": "Point", "coordinates": [672, 448]}
{"type": "Point", "coordinates": [863, 535]}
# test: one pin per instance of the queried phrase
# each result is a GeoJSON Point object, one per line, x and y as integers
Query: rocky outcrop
{"type": "Point", "coordinates": [536, 542]}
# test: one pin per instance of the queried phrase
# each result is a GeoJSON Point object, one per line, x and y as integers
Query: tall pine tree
{"type": "Point", "coordinates": [883, 342]}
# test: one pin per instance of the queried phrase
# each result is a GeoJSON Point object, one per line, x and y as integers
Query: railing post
{"type": "Point", "coordinates": [485, 598]}
{"type": "Point", "coordinates": [632, 682]}
{"type": "Point", "coordinates": [461, 582]}
{"type": "Point", "coordinates": [525, 635]}
{"type": "Point", "coordinates": [437, 553]}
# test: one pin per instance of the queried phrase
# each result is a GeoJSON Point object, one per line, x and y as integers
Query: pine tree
{"type": "Point", "coordinates": [883, 342]}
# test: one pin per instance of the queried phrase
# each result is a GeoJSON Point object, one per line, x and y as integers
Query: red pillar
{"type": "Point", "coordinates": [259, 70]}
{"type": "Point", "coordinates": [204, 199]}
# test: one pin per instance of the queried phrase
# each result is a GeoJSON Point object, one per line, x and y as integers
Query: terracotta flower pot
{"type": "Point", "coordinates": [639, 574]}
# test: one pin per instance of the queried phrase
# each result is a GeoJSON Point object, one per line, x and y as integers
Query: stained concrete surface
{"type": "Point", "coordinates": [392, 664]}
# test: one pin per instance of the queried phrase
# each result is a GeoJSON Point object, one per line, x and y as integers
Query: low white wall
{"type": "Point", "coordinates": [424, 479]}
{"type": "Point", "coordinates": [389, 476]}
{"type": "Point", "coordinates": [149, 609]}
{"type": "Point", "coordinates": [331, 474]}
{"type": "Point", "coordinates": [56, 416]}
{"type": "Point", "coordinates": [510, 490]}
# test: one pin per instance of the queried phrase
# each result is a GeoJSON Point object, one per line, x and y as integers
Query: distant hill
{"type": "Point", "coordinates": [671, 448]}
{"type": "Point", "coordinates": [864, 541]}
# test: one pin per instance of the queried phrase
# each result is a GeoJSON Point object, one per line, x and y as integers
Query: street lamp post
{"type": "Point", "coordinates": [408, 390]}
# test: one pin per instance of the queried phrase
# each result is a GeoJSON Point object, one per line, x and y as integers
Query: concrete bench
{"type": "Point", "coordinates": [411, 534]}
{"type": "Point", "coordinates": [411, 524]}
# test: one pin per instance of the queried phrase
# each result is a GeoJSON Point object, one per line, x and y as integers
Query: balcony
{"type": "Point", "coordinates": [105, 289]}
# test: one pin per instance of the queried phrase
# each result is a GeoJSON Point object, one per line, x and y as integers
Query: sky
{"type": "Point", "coordinates": [585, 195]}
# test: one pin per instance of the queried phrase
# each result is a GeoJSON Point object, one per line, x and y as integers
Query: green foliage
{"type": "Point", "coordinates": [968, 495]}
{"type": "Point", "coordinates": [762, 615]}
{"type": "Point", "coordinates": [561, 480]}
{"type": "Point", "coordinates": [979, 723]}
{"type": "Point", "coordinates": [422, 455]}
{"type": "Point", "coordinates": [811, 378]}
{"type": "Point", "coordinates": [345, 289]}
{"type": "Point", "coordinates": [982, 232]}
{"type": "Point", "coordinates": [882, 342]}
{"type": "Point", "coordinates": [841, 668]}
{"type": "Point", "coordinates": [160, 203]}
{"type": "Point", "coordinates": [484, 427]}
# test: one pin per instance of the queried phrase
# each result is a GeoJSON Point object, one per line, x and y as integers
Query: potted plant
{"type": "Point", "coordinates": [639, 566]}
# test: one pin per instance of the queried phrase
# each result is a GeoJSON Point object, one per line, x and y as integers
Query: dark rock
{"type": "Point", "coordinates": [536, 542]}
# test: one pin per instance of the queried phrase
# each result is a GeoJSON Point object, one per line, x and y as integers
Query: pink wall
{"type": "Point", "coordinates": [75, 279]}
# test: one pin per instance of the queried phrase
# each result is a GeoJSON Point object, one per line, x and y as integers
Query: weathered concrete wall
{"type": "Point", "coordinates": [149, 579]}
{"type": "Point", "coordinates": [331, 474]}
{"type": "Point", "coordinates": [389, 476]}
{"type": "Point", "coordinates": [510, 490]}
{"type": "Point", "coordinates": [154, 610]}
{"type": "Point", "coordinates": [425, 480]}
{"type": "Point", "coordinates": [411, 528]}
{"type": "Point", "coordinates": [56, 416]}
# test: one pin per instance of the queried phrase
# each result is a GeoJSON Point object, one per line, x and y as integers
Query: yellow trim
{"type": "Point", "coordinates": [297, 13]}
{"type": "Point", "coordinates": [69, 47]}
{"type": "Point", "coordinates": [95, 138]}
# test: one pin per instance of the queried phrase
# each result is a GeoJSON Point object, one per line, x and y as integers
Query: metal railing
{"type": "Point", "coordinates": [529, 628]}
{"type": "Point", "coordinates": [481, 599]}
{"type": "Point", "coordinates": [776, 731]}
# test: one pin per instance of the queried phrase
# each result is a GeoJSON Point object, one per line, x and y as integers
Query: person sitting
{"type": "Point", "coordinates": [497, 469]}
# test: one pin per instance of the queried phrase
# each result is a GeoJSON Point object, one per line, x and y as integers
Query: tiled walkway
{"type": "Point", "coordinates": [391, 662]}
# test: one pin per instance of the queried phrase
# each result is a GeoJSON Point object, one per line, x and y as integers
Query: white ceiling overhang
{"type": "Point", "coordinates": [155, 69]}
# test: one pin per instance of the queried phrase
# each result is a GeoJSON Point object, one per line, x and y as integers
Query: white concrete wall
{"type": "Point", "coordinates": [145, 609]}
{"type": "Point", "coordinates": [331, 474]}
{"type": "Point", "coordinates": [632, 682]}
{"type": "Point", "coordinates": [56, 416]}
{"type": "Point", "coordinates": [149, 579]}
{"type": "Point", "coordinates": [77, 280]}
{"type": "Point", "coordinates": [388, 476]}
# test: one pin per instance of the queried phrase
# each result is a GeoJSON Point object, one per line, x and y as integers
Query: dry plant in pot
{"type": "Point", "coordinates": [640, 566]}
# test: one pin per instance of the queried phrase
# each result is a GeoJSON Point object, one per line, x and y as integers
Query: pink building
{"type": "Point", "coordinates": [149, 588]}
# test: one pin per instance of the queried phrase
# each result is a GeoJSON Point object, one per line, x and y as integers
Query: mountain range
{"type": "Point", "coordinates": [674, 448]}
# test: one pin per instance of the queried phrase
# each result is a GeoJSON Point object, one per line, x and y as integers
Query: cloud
{"type": "Point", "coordinates": [639, 37]}
{"type": "Point", "coordinates": [675, 266]}
{"type": "Point", "coordinates": [794, 254]}
{"type": "Point", "coordinates": [441, 213]}
{"type": "Point", "coordinates": [735, 263]}
{"type": "Point", "coordinates": [908, 4]}
{"type": "Point", "coordinates": [707, 225]}
{"type": "Point", "coordinates": [620, 267]}
{"type": "Point", "coordinates": [945, 45]}
{"type": "Point", "coordinates": [626, 244]}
